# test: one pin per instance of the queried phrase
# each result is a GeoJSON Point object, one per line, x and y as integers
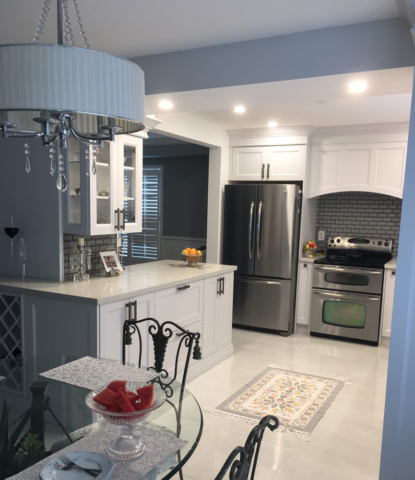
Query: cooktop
{"type": "Point", "coordinates": [357, 252]}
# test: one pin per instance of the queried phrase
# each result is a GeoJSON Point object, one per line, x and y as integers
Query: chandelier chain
{"type": "Point", "coordinates": [43, 16]}
{"type": "Point", "coordinates": [81, 27]}
{"type": "Point", "coordinates": [67, 29]}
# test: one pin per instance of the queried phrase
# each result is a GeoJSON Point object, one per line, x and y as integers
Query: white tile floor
{"type": "Point", "coordinates": [345, 444]}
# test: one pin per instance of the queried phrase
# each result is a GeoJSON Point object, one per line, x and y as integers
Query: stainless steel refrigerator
{"type": "Point", "coordinates": [261, 230]}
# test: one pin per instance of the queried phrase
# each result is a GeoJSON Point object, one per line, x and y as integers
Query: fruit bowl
{"type": "Point", "coordinates": [126, 446]}
{"type": "Point", "coordinates": [192, 260]}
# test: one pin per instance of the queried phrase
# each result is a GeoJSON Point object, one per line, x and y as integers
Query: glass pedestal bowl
{"type": "Point", "coordinates": [126, 446]}
{"type": "Point", "coordinates": [192, 260]}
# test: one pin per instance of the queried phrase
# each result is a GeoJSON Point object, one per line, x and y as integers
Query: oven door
{"type": "Point", "coordinates": [362, 280]}
{"type": "Point", "coordinates": [345, 314]}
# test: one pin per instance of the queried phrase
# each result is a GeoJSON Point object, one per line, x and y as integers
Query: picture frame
{"type": "Point", "coordinates": [111, 261]}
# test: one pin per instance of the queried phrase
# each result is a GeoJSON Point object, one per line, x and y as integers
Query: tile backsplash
{"type": "Point", "coordinates": [97, 243]}
{"type": "Point", "coordinates": [359, 213]}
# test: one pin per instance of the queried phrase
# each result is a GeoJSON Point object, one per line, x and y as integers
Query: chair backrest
{"type": "Point", "coordinates": [161, 334]}
{"type": "Point", "coordinates": [243, 460]}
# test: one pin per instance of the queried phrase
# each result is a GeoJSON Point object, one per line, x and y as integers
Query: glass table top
{"type": "Point", "coordinates": [68, 414]}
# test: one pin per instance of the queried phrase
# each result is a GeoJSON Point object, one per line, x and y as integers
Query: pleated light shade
{"type": "Point", "coordinates": [39, 79]}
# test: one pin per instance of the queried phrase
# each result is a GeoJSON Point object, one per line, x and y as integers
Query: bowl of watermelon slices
{"type": "Point", "coordinates": [125, 404]}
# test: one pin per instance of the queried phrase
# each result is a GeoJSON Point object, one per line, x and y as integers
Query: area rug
{"type": "Point", "coordinates": [299, 400]}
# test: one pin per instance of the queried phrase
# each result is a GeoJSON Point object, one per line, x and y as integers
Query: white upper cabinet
{"type": "Point", "coordinates": [109, 199]}
{"type": "Point", "coordinates": [248, 163]}
{"type": "Point", "coordinates": [278, 163]}
{"type": "Point", "coordinates": [285, 163]}
{"type": "Point", "coordinates": [376, 167]}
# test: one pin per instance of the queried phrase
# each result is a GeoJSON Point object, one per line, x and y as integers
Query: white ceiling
{"type": "Point", "coordinates": [294, 102]}
{"type": "Point", "coordinates": [132, 28]}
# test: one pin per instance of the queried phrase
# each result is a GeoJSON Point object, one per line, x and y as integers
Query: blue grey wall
{"type": "Point", "coordinates": [33, 200]}
{"type": "Point", "coordinates": [353, 48]}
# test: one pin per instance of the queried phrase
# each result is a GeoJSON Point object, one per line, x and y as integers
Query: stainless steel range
{"type": "Point", "coordinates": [347, 288]}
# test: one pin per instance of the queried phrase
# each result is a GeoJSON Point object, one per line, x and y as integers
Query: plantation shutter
{"type": "Point", "coordinates": [146, 245]}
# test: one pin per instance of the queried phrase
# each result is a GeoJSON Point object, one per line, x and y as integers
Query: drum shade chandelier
{"type": "Point", "coordinates": [54, 91]}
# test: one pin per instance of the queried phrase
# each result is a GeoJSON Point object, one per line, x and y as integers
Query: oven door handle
{"type": "Point", "coordinates": [350, 270]}
{"type": "Point", "coordinates": [345, 295]}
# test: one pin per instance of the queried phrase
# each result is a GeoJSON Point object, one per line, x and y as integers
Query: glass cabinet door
{"type": "Point", "coordinates": [77, 194]}
{"type": "Point", "coordinates": [130, 151]}
{"type": "Point", "coordinates": [104, 189]}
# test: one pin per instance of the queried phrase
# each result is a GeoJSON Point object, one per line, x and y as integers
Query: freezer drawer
{"type": "Point", "coordinates": [263, 303]}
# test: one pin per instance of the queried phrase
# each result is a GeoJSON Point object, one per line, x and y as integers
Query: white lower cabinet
{"type": "Point", "coordinates": [203, 306]}
{"type": "Point", "coordinates": [111, 321]}
{"type": "Point", "coordinates": [182, 304]}
{"type": "Point", "coordinates": [217, 314]}
{"type": "Point", "coordinates": [304, 292]}
{"type": "Point", "coordinates": [387, 306]}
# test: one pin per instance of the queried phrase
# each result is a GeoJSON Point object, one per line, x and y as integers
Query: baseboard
{"type": "Point", "coordinates": [385, 341]}
{"type": "Point", "coordinates": [302, 328]}
{"type": "Point", "coordinates": [206, 364]}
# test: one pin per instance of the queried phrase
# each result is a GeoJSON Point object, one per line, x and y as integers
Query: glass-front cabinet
{"type": "Point", "coordinates": [105, 187]}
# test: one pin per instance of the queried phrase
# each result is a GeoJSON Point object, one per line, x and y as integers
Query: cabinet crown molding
{"type": "Point", "coordinates": [302, 130]}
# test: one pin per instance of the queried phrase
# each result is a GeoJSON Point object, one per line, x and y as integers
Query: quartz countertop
{"type": "Point", "coordinates": [310, 260]}
{"type": "Point", "coordinates": [134, 281]}
{"type": "Point", "coordinates": [391, 264]}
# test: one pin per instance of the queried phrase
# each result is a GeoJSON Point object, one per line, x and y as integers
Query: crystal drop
{"type": "Point", "coordinates": [27, 167]}
{"type": "Point", "coordinates": [87, 151]}
{"type": "Point", "coordinates": [94, 167]}
{"type": "Point", "coordinates": [27, 152]}
{"type": "Point", "coordinates": [62, 183]}
{"type": "Point", "coordinates": [52, 166]}
{"type": "Point", "coordinates": [87, 157]}
{"type": "Point", "coordinates": [51, 156]}
{"type": "Point", "coordinates": [26, 145]}
{"type": "Point", "coordinates": [61, 155]}
{"type": "Point", "coordinates": [61, 169]}
{"type": "Point", "coordinates": [52, 150]}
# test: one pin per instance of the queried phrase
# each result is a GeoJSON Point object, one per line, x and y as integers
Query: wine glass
{"type": "Point", "coordinates": [10, 231]}
{"type": "Point", "coordinates": [126, 188]}
{"type": "Point", "coordinates": [22, 255]}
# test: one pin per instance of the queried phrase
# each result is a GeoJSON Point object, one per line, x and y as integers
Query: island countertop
{"type": "Point", "coordinates": [134, 281]}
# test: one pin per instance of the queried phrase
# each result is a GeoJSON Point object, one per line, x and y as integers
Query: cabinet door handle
{"type": "Point", "coordinates": [117, 222]}
{"type": "Point", "coordinates": [223, 285]}
{"type": "Point", "coordinates": [305, 265]}
{"type": "Point", "coordinates": [218, 284]}
{"type": "Point", "coordinates": [263, 170]}
{"type": "Point", "coordinates": [268, 171]}
{"type": "Point", "coordinates": [128, 305]}
{"type": "Point", "coordinates": [123, 219]}
{"type": "Point", "coordinates": [184, 287]}
{"type": "Point", "coordinates": [135, 310]}
{"type": "Point", "coordinates": [394, 272]}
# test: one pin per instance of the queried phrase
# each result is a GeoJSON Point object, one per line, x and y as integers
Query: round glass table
{"type": "Point", "coordinates": [57, 412]}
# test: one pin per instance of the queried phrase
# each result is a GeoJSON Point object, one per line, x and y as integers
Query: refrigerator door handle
{"type": "Point", "coordinates": [258, 231]}
{"type": "Point", "coordinates": [251, 218]}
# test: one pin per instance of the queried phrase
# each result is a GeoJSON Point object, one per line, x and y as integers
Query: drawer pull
{"type": "Point", "coordinates": [184, 287]}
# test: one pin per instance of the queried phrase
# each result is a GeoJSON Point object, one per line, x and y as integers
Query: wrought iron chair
{"type": "Point", "coordinates": [248, 455]}
{"type": "Point", "coordinates": [161, 334]}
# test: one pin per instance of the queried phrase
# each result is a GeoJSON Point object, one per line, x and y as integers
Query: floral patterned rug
{"type": "Point", "coordinates": [299, 400]}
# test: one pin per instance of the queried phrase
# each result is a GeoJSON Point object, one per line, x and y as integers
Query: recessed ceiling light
{"type": "Point", "coordinates": [165, 104]}
{"type": "Point", "coordinates": [273, 124]}
{"type": "Point", "coordinates": [239, 109]}
{"type": "Point", "coordinates": [357, 86]}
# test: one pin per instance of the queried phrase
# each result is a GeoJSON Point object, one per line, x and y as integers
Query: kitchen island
{"type": "Point", "coordinates": [77, 319]}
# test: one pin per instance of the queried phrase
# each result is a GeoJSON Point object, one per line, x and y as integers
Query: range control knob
{"type": "Point", "coordinates": [332, 240]}
{"type": "Point", "coordinates": [380, 243]}
{"type": "Point", "coordinates": [338, 240]}
{"type": "Point", "coordinates": [386, 244]}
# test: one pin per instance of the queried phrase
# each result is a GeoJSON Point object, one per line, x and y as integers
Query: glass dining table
{"type": "Point", "coordinates": [57, 412]}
